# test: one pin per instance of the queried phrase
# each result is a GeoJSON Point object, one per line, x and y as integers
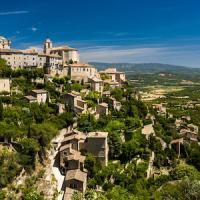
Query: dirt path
{"type": "Point", "coordinates": [53, 168]}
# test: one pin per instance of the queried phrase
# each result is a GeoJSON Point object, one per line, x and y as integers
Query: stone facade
{"type": "Point", "coordinates": [81, 72]}
{"type": "Point", "coordinates": [5, 85]}
{"type": "Point", "coordinates": [39, 96]}
{"type": "Point", "coordinates": [72, 160]}
{"type": "Point", "coordinates": [51, 58]}
{"type": "Point", "coordinates": [102, 108]}
{"type": "Point", "coordinates": [67, 53]}
{"type": "Point", "coordinates": [114, 75]}
{"type": "Point", "coordinates": [97, 144]}
{"type": "Point", "coordinates": [74, 101]}
{"type": "Point", "coordinates": [96, 84]}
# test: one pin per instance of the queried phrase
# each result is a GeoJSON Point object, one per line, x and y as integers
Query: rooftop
{"type": "Point", "coordinates": [66, 146]}
{"type": "Point", "coordinates": [64, 47]}
{"type": "Point", "coordinates": [97, 134]}
{"type": "Point", "coordinates": [30, 98]}
{"type": "Point", "coordinates": [78, 136]}
{"type": "Point", "coordinates": [111, 82]}
{"type": "Point", "coordinates": [54, 56]}
{"type": "Point", "coordinates": [10, 51]}
{"type": "Point", "coordinates": [83, 65]}
{"type": "Point", "coordinates": [148, 129]}
{"type": "Point", "coordinates": [95, 79]}
{"type": "Point", "coordinates": [39, 91]}
{"type": "Point", "coordinates": [74, 93]}
{"type": "Point", "coordinates": [76, 174]}
{"type": "Point", "coordinates": [76, 156]}
{"type": "Point", "coordinates": [111, 71]}
{"type": "Point", "coordinates": [103, 105]}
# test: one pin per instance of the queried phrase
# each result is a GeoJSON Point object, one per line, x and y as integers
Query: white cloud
{"type": "Point", "coordinates": [19, 12]}
{"type": "Point", "coordinates": [178, 55]}
{"type": "Point", "coordinates": [34, 29]}
{"type": "Point", "coordinates": [119, 54]}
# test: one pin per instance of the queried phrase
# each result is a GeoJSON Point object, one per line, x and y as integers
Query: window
{"type": "Point", "coordinates": [72, 185]}
{"type": "Point", "coordinates": [66, 164]}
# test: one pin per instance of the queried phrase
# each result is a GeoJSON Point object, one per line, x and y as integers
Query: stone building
{"type": "Point", "coordinates": [67, 53]}
{"type": "Point", "coordinates": [75, 102]}
{"type": "Point", "coordinates": [19, 59]}
{"type": "Point", "coordinates": [148, 130]}
{"type": "Point", "coordinates": [116, 105]}
{"type": "Point", "coordinates": [81, 72]}
{"type": "Point", "coordinates": [114, 75]}
{"type": "Point", "coordinates": [96, 84]}
{"type": "Point", "coordinates": [160, 108]}
{"type": "Point", "coordinates": [39, 96]}
{"type": "Point", "coordinates": [52, 58]}
{"type": "Point", "coordinates": [75, 142]}
{"type": "Point", "coordinates": [102, 108]}
{"type": "Point", "coordinates": [73, 146]}
{"type": "Point", "coordinates": [5, 85]}
{"type": "Point", "coordinates": [76, 179]}
{"type": "Point", "coordinates": [97, 144]}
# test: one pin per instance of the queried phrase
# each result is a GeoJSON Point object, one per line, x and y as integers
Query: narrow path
{"type": "Point", "coordinates": [54, 170]}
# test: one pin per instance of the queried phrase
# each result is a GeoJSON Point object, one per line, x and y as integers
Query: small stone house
{"type": "Point", "coordinates": [76, 179]}
{"type": "Point", "coordinates": [39, 95]}
{"type": "Point", "coordinates": [102, 108]}
{"type": "Point", "coordinates": [96, 84]}
{"type": "Point", "coordinates": [74, 101]}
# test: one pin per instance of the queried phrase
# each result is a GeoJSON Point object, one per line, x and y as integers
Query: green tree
{"type": "Point", "coordinates": [185, 189]}
{"type": "Point", "coordinates": [3, 63]}
{"type": "Point", "coordinates": [31, 194]}
{"type": "Point", "coordinates": [1, 110]}
{"type": "Point", "coordinates": [120, 193]}
{"type": "Point", "coordinates": [117, 93]}
{"type": "Point", "coordinates": [115, 145]}
{"type": "Point", "coordinates": [77, 87]}
{"type": "Point", "coordinates": [91, 164]}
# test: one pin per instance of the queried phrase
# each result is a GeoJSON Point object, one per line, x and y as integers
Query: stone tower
{"type": "Point", "coordinates": [47, 46]}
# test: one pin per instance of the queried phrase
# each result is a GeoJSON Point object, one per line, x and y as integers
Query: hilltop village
{"type": "Point", "coordinates": [69, 131]}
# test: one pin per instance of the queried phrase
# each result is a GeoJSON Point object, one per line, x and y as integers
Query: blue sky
{"type": "Point", "coordinates": [138, 31]}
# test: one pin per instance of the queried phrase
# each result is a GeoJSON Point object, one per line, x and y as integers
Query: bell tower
{"type": "Point", "coordinates": [47, 46]}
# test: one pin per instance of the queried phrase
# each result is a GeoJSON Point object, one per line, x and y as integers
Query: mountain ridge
{"type": "Point", "coordinates": [147, 67]}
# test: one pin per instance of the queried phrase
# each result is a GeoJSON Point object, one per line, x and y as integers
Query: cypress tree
{"type": "Point", "coordinates": [1, 110]}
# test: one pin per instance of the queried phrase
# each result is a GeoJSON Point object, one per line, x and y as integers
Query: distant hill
{"type": "Point", "coordinates": [147, 68]}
